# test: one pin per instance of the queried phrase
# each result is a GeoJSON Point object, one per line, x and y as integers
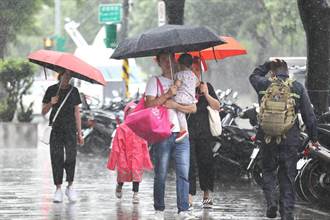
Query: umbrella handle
{"type": "Point", "coordinates": [45, 73]}
{"type": "Point", "coordinates": [169, 57]}
{"type": "Point", "coordinates": [59, 87]}
{"type": "Point", "coordinates": [200, 65]}
{"type": "Point", "coordinates": [215, 57]}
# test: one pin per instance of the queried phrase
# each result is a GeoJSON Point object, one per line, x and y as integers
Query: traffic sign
{"type": "Point", "coordinates": [110, 13]}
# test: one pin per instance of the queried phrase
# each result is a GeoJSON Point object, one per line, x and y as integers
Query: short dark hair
{"type": "Point", "coordinates": [186, 60]}
{"type": "Point", "coordinates": [160, 53]}
{"type": "Point", "coordinates": [279, 67]}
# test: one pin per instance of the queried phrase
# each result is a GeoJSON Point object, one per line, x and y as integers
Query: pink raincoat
{"type": "Point", "coordinates": [129, 154]}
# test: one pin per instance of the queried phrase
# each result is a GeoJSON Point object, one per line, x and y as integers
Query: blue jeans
{"type": "Point", "coordinates": [162, 154]}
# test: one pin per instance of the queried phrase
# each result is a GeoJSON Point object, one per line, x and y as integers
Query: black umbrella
{"type": "Point", "coordinates": [167, 39]}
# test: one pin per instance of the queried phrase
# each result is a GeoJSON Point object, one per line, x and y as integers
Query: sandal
{"type": "Point", "coordinates": [207, 203]}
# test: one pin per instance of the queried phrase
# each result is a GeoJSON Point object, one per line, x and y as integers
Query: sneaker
{"type": "Point", "coordinates": [271, 212]}
{"type": "Point", "coordinates": [185, 215]}
{"type": "Point", "coordinates": [159, 215]}
{"type": "Point", "coordinates": [119, 193]}
{"type": "Point", "coordinates": [181, 136]}
{"type": "Point", "coordinates": [58, 196]}
{"type": "Point", "coordinates": [190, 207]}
{"type": "Point", "coordinates": [135, 199]}
{"type": "Point", "coordinates": [207, 203]}
{"type": "Point", "coordinates": [71, 194]}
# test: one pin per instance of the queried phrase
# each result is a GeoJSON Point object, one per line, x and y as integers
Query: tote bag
{"type": "Point", "coordinates": [151, 124]}
{"type": "Point", "coordinates": [45, 137]}
{"type": "Point", "coordinates": [215, 122]}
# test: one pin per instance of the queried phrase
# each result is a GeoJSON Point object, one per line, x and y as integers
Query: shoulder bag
{"type": "Point", "coordinates": [151, 124]}
{"type": "Point", "coordinates": [215, 122]}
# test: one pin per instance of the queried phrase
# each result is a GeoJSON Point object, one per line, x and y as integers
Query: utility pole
{"type": "Point", "coordinates": [58, 26]}
{"type": "Point", "coordinates": [161, 13]}
{"type": "Point", "coordinates": [123, 35]}
{"type": "Point", "coordinates": [124, 23]}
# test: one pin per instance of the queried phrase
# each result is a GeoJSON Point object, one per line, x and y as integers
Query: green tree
{"type": "Point", "coordinates": [17, 17]}
{"type": "Point", "coordinates": [315, 16]}
{"type": "Point", "coordinates": [16, 77]}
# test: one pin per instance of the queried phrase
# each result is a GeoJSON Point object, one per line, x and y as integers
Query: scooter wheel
{"type": "Point", "coordinates": [299, 192]}
{"type": "Point", "coordinates": [312, 182]}
{"type": "Point", "coordinates": [257, 173]}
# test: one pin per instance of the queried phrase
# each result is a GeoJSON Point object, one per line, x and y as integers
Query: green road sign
{"type": "Point", "coordinates": [111, 35]}
{"type": "Point", "coordinates": [110, 13]}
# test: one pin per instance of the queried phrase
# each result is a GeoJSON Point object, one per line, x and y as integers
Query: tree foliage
{"type": "Point", "coordinates": [17, 17]}
{"type": "Point", "coordinates": [16, 78]}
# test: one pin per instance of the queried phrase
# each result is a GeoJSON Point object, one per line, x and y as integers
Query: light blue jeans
{"type": "Point", "coordinates": [162, 153]}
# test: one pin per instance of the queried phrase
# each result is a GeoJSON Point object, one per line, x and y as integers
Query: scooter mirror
{"type": "Point", "coordinates": [228, 91]}
{"type": "Point", "coordinates": [218, 92]}
{"type": "Point", "coordinates": [222, 95]}
{"type": "Point", "coordinates": [235, 95]}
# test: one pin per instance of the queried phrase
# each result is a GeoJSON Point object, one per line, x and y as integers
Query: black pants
{"type": "Point", "coordinates": [201, 153]}
{"type": "Point", "coordinates": [135, 186]}
{"type": "Point", "coordinates": [60, 140]}
{"type": "Point", "coordinates": [279, 160]}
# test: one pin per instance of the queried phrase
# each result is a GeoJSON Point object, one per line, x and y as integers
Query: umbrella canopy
{"type": "Point", "coordinates": [59, 61]}
{"type": "Point", "coordinates": [168, 39]}
{"type": "Point", "coordinates": [219, 52]}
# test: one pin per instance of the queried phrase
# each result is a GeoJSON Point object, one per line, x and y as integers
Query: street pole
{"type": "Point", "coordinates": [124, 23]}
{"type": "Point", "coordinates": [123, 35]}
{"type": "Point", "coordinates": [58, 26]}
{"type": "Point", "coordinates": [161, 13]}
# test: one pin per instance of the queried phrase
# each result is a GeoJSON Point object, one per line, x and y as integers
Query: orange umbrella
{"type": "Point", "coordinates": [230, 48]}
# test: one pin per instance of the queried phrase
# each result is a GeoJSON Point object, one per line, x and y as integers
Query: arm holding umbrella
{"type": "Point", "coordinates": [214, 103]}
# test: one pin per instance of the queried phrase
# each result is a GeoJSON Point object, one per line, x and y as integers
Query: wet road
{"type": "Point", "coordinates": [26, 192]}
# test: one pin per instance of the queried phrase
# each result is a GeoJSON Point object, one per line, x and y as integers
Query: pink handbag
{"type": "Point", "coordinates": [151, 124]}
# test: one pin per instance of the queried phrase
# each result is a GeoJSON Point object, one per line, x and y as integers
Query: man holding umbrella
{"type": "Point", "coordinates": [66, 131]}
{"type": "Point", "coordinates": [63, 100]}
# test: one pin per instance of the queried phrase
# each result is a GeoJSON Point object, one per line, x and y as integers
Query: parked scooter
{"type": "Point", "coordinates": [233, 148]}
{"type": "Point", "coordinates": [313, 179]}
{"type": "Point", "coordinates": [97, 136]}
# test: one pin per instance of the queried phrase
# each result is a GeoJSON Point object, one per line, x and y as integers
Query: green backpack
{"type": "Point", "coordinates": [277, 109]}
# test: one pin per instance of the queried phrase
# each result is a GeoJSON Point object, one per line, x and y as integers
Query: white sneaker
{"type": "Point", "coordinates": [159, 215]}
{"type": "Point", "coordinates": [71, 194]}
{"type": "Point", "coordinates": [185, 215]}
{"type": "Point", "coordinates": [58, 196]}
{"type": "Point", "coordinates": [135, 199]}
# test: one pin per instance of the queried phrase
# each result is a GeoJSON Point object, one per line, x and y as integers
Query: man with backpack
{"type": "Point", "coordinates": [281, 99]}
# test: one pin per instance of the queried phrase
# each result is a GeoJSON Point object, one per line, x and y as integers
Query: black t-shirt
{"type": "Point", "coordinates": [65, 119]}
{"type": "Point", "coordinates": [198, 123]}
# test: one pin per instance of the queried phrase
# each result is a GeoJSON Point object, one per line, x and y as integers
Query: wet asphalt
{"type": "Point", "coordinates": [26, 191]}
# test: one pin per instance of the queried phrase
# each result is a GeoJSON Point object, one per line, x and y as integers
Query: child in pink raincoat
{"type": "Point", "coordinates": [130, 155]}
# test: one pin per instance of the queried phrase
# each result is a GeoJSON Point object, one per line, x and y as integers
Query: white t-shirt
{"type": "Point", "coordinates": [151, 90]}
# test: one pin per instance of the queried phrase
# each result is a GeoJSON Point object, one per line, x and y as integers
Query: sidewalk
{"type": "Point", "coordinates": [27, 191]}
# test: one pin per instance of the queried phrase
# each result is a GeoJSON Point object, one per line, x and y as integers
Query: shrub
{"type": "Point", "coordinates": [16, 78]}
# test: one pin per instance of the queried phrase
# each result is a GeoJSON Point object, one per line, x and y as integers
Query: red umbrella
{"type": "Point", "coordinates": [59, 61]}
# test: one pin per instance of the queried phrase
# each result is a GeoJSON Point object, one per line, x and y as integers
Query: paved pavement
{"type": "Point", "coordinates": [26, 191]}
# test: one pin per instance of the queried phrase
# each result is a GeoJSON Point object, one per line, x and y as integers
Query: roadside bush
{"type": "Point", "coordinates": [16, 78]}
